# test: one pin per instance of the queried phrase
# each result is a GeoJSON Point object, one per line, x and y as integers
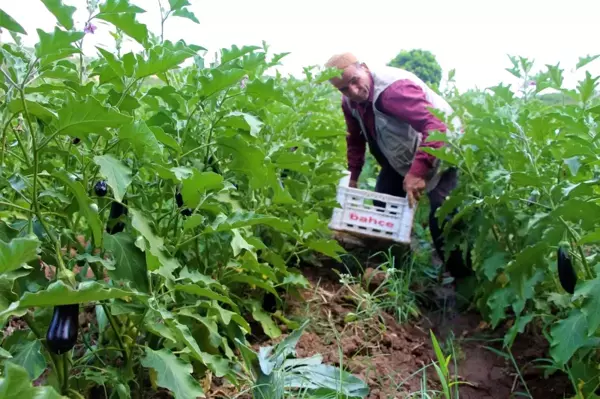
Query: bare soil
{"type": "Point", "coordinates": [392, 358]}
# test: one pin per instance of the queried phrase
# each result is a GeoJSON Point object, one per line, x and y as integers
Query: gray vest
{"type": "Point", "coordinates": [397, 140]}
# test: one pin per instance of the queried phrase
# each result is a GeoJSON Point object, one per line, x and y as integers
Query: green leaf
{"type": "Point", "coordinates": [17, 252]}
{"type": "Point", "coordinates": [518, 327]}
{"type": "Point", "coordinates": [244, 121]}
{"type": "Point", "coordinates": [212, 327]}
{"type": "Point", "coordinates": [142, 139]}
{"type": "Point", "coordinates": [130, 261]}
{"type": "Point", "coordinates": [326, 246]}
{"type": "Point", "coordinates": [236, 52]}
{"type": "Point", "coordinates": [7, 233]}
{"type": "Point", "coordinates": [115, 64]}
{"type": "Point", "coordinates": [588, 238]}
{"type": "Point", "coordinates": [177, 4]}
{"type": "Point", "coordinates": [141, 224]}
{"type": "Point", "coordinates": [15, 383]}
{"type": "Point", "coordinates": [218, 365]}
{"type": "Point", "coordinates": [185, 13]}
{"type": "Point", "coordinates": [85, 205]}
{"type": "Point", "coordinates": [573, 164]}
{"type": "Point", "coordinates": [267, 91]}
{"type": "Point", "coordinates": [123, 16]}
{"type": "Point", "coordinates": [58, 293]}
{"type": "Point", "coordinates": [63, 13]}
{"type": "Point", "coordinates": [219, 80]}
{"type": "Point", "coordinates": [117, 174]}
{"type": "Point", "coordinates": [29, 356]}
{"type": "Point", "coordinates": [166, 139]}
{"type": "Point", "coordinates": [587, 87]}
{"type": "Point", "coordinates": [265, 320]}
{"type": "Point", "coordinates": [239, 243]}
{"type": "Point", "coordinates": [56, 45]}
{"type": "Point", "coordinates": [444, 153]}
{"type": "Point", "coordinates": [6, 21]}
{"type": "Point", "coordinates": [239, 219]}
{"type": "Point", "coordinates": [492, 264]}
{"type": "Point", "coordinates": [34, 108]}
{"type": "Point", "coordinates": [330, 381]}
{"type": "Point", "coordinates": [195, 289]}
{"type": "Point", "coordinates": [172, 373]}
{"type": "Point", "coordinates": [163, 57]}
{"type": "Point", "coordinates": [590, 291]}
{"type": "Point", "coordinates": [583, 61]}
{"type": "Point", "coordinates": [78, 118]}
{"type": "Point", "coordinates": [197, 185]}
{"type": "Point", "coordinates": [249, 160]}
{"type": "Point", "coordinates": [569, 335]}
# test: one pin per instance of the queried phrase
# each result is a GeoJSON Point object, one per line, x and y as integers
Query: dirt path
{"type": "Point", "coordinates": [392, 358]}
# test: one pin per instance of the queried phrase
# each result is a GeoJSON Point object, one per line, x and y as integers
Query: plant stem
{"type": "Point", "coordinates": [36, 205]}
{"type": "Point", "coordinates": [66, 372]}
{"type": "Point", "coordinates": [22, 146]}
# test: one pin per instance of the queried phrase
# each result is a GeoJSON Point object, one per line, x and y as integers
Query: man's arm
{"type": "Point", "coordinates": [407, 101]}
{"type": "Point", "coordinates": [355, 143]}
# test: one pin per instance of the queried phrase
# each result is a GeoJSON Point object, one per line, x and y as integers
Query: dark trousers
{"type": "Point", "coordinates": [390, 182]}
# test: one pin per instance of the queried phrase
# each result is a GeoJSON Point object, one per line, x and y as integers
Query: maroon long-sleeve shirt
{"type": "Point", "coordinates": [406, 101]}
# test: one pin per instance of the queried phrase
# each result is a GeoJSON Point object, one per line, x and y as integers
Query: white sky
{"type": "Point", "coordinates": [472, 36]}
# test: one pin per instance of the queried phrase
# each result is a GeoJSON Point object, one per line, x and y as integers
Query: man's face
{"type": "Point", "coordinates": [355, 83]}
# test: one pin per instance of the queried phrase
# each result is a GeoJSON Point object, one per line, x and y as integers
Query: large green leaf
{"type": "Point", "coordinates": [218, 365]}
{"type": "Point", "coordinates": [590, 291]}
{"type": "Point", "coordinates": [143, 140]}
{"type": "Point", "coordinates": [33, 108]}
{"type": "Point", "coordinates": [15, 383]}
{"type": "Point", "coordinates": [17, 252]}
{"type": "Point", "coordinates": [244, 121]}
{"type": "Point", "coordinates": [329, 380]}
{"type": "Point", "coordinates": [59, 293]}
{"type": "Point", "coordinates": [130, 262]}
{"type": "Point", "coordinates": [63, 13]}
{"type": "Point", "coordinates": [79, 118]}
{"type": "Point", "coordinates": [117, 174]}
{"type": "Point", "coordinates": [163, 57]}
{"type": "Point", "coordinates": [173, 373]}
{"type": "Point", "coordinates": [569, 335]}
{"type": "Point", "coordinates": [56, 45]}
{"type": "Point", "coordinates": [123, 16]}
{"type": "Point", "coordinates": [8, 22]}
{"type": "Point", "coordinates": [219, 80]}
{"type": "Point", "coordinates": [199, 184]}
{"type": "Point", "coordinates": [267, 91]}
{"type": "Point", "coordinates": [166, 265]}
{"type": "Point", "coordinates": [85, 205]}
{"type": "Point", "coordinates": [29, 356]}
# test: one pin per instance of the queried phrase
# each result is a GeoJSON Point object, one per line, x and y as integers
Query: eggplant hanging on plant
{"type": "Point", "coordinates": [116, 210]}
{"type": "Point", "coordinates": [62, 333]}
{"type": "Point", "coordinates": [101, 188]}
{"type": "Point", "coordinates": [566, 273]}
{"type": "Point", "coordinates": [179, 200]}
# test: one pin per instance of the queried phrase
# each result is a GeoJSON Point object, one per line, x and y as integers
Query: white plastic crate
{"type": "Point", "coordinates": [358, 215]}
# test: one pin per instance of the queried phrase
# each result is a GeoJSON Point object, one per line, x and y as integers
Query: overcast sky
{"type": "Point", "coordinates": [472, 36]}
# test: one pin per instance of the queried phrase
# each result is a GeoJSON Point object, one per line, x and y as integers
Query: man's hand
{"type": "Point", "coordinates": [353, 184]}
{"type": "Point", "coordinates": [414, 187]}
